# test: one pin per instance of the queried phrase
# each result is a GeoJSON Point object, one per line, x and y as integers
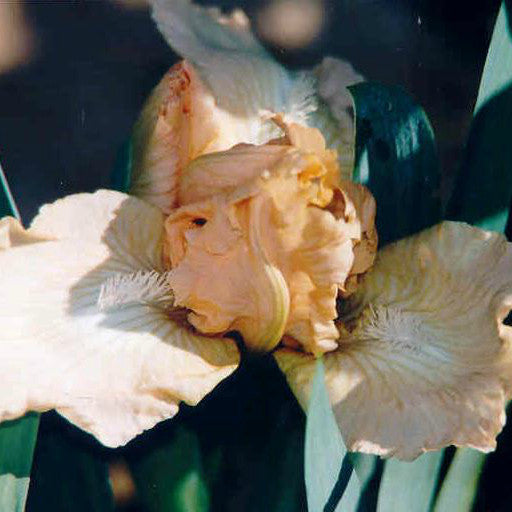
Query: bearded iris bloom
{"type": "Point", "coordinates": [116, 308]}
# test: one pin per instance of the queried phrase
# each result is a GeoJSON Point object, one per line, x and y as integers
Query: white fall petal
{"type": "Point", "coordinates": [114, 372]}
{"type": "Point", "coordinates": [424, 360]}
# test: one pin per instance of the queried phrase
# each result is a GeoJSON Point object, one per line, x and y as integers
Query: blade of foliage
{"type": "Point", "coordinates": [498, 68]}
{"type": "Point", "coordinates": [17, 441]}
{"type": "Point", "coordinates": [407, 486]}
{"type": "Point", "coordinates": [169, 476]}
{"type": "Point", "coordinates": [70, 470]}
{"type": "Point", "coordinates": [483, 189]}
{"type": "Point", "coordinates": [460, 484]}
{"type": "Point", "coordinates": [331, 483]}
{"type": "Point", "coordinates": [368, 469]}
{"type": "Point", "coordinates": [7, 204]}
{"type": "Point", "coordinates": [396, 158]}
{"type": "Point", "coordinates": [17, 438]}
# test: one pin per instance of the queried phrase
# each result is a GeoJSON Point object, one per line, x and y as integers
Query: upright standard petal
{"type": "Point", "coordinates": [176, 125]}
{"type": "Point", "coordinates": [181, 121]}
{"type": "Point", "coordinates": [223, 94]}
{"type": "Point", "coordinates": [221, 274]}
{"type": "Point", "coordinates": [424, 359]}
{"type": "Point", "coordinates": [241, 74]}
{"type": "Point", "coordinates": [335, 112]}
{"type": "Point", "coordinates": [114, 365]}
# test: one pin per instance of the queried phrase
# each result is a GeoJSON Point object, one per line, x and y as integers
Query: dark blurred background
{"type": "Point", "coordinates": [74, 74]}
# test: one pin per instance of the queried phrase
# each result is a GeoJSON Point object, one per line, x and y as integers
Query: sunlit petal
{"type": "Point", "coordinates": [277, 226]}
{"type": "Point", "coordinates": [424, 360]}
{"type": "Point", "coordinates": [224, 171]}
{"type": "Point", "coordinates": [224, 93]}
{"type": "Point", "coordinates": [112, 371]}
{"type": "Point", "coordinates": [176, 125]}
{"type": "Point", "coordinates": [221, 273]}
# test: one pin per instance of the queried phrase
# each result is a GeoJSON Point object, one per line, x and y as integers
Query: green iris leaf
{"type": "Point", "coordinates": [461, 482]}
{"type": "Point", "coordinates": [331, 483]}
{"type": "Point", "coordinates": [7, 204]}
{"type": "Point", "coordinates": [407, 486]}
{"type": "Point", "coordinates": [483, 189]}
{"type": "Point", "coordinates": [169, 475]}
{"type": "Point", "coordinates": [17, 441]}
{"type": "Point", "coordinates": [396, 158]}
{"type": "Point", "coordinates": [70, 470]}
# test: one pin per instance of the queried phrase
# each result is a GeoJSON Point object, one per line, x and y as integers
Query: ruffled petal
{"type": "Point", "coordinates": [181, 121]}
{"type": "Point", "coordinates": [223, 94]}
{"type": "Point", "coordinates": [359, 211]}
{"type": "Point", "coordinates": [276, 228]}
{"type": "Point", "coordinates": [223, 172]}
{"type": "Point", "coordinates": [424, 359]}
{"type": "Point", "coordinates": [176, 125]}
{"type": "Point", "coordinates": [221, 274]}
{"type": "Point", "coordinates": [115, 371]}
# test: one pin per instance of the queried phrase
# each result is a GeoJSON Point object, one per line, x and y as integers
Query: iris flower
{"type": "Point", "coordinates": [242, 218]}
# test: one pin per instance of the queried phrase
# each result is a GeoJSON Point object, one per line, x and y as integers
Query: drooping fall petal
{"type": "Point", "coordinates": [110, 365]}
{"type": "Point", "coordinates": [424, 360]}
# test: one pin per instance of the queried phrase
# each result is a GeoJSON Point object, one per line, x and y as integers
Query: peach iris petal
{"type": "Point", "coordinates": [261, 209]}
{"type": "Point", "coordinates": [360, 210]}
{"type": "Point", "coordinates": [176, 125]}
{"type": "Point", "coordinates": [224, 171]}
{"type": "Point", "coordinates": [181, 121]}
{"type": "Point", "coordinates": [309, 140]}
{"type": "Point", "coordinates": [221, 274]}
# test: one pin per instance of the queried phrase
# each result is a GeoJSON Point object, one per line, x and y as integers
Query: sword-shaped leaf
{"type": "Point", "coordinates": [331, 483]}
